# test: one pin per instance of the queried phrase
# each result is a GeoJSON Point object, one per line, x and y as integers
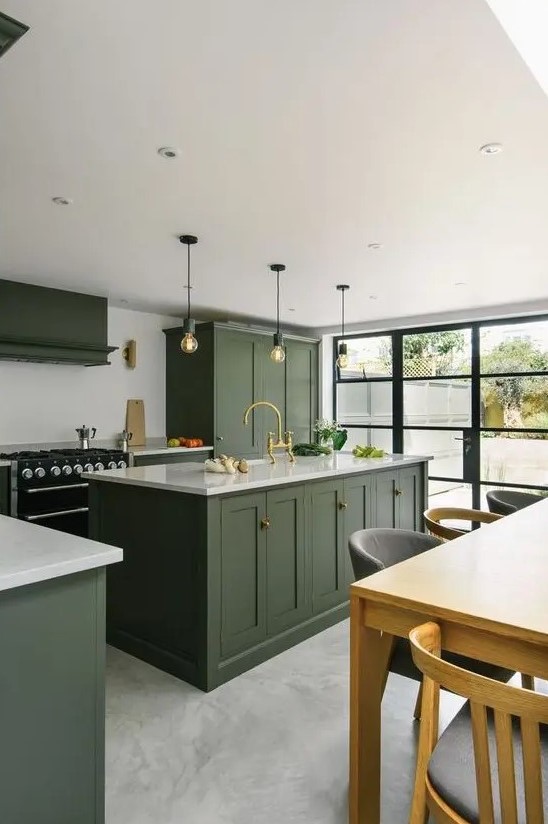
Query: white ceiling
{"type": "Point", "coordinates": [307, 129]}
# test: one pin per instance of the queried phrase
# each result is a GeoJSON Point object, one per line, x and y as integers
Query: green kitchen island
{"type": "Point", "coordinates": [221, 572]}
{"type": "Point", "coordinates": [52, 675]}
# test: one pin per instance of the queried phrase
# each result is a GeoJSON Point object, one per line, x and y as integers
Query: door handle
{"type": "Point", "coordinates": [219, 438]}
{"type": "Point", "coordinates": [398, 492]}
{"type": "Point", "coordinates": [265, 523]}
{"type": "Point", "coordinates": [343, 505]}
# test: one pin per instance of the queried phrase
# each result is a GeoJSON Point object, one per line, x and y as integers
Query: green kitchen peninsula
{"type": "Point", "coordinates": [222, 572]}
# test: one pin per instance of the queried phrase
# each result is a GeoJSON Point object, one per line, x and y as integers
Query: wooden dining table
{"type": "Point", "coordinates": [488, 590]}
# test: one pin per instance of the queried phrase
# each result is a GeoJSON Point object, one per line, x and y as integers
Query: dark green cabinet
{"type": "Point", "coordinates": [208, 392]}
{"type": "Point", "coordinates": [52, 713]}
{"type": "Point", "coordinates": [285, 558]}
{"type": "Point", "coordinates": [400, 498]}
{"type": "Point", "coordinates": [262, 566]}
{"type": "Point", "coordinates": [165, 458]}
{"type": "Point", "coordinates": [213, 585]}
{"type": "Point", "coordinates": [327, 544]}
{"type": "Point", "coordinates": [243, 567]}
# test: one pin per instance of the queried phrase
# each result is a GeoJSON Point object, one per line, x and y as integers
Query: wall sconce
{"type": "Point", "coordinates": [129, 354]}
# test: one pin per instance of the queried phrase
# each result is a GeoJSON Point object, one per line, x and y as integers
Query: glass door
{"type": "Point", "coordinates": [437, 402]}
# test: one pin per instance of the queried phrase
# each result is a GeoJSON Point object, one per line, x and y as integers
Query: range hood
{"type": "Point", "coordinates": [10, 32]}
{"type": "Point", "coordinates": [45, 325]}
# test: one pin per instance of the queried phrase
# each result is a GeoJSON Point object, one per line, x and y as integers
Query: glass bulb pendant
{"type": "Point", "coordinates": [189, 344]}
{"type": "Point", "coordinates": [277, 354]}
{"type": "Point", "coordinates": [342, 360]}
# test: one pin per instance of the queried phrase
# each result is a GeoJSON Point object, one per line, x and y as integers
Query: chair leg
{"type": "Point", "coordinates": [417, 710]}
{"type": "Point", "coordinates": [527, 682]}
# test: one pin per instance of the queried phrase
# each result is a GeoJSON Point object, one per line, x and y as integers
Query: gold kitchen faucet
{"type": "Point", "coordinates": [286, 443]}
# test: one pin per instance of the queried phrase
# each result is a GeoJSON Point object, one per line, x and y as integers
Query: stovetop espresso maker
{"type": "Point", "coordinates": [84, 437]}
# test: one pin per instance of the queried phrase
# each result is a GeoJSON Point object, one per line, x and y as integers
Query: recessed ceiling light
{"type": "Point", "coordinates": [62, 201]}
{"type": "Point", "coordinates": [374, 245]}
{"type": "Point", "coordinates": [491, 148]}
{"type": "Point", "coordinates": [460, 283]}
{"type": "Point", "coordinates": [169, 151]}
{"type": "Point", "coordinates": [373, 297]}
{"type": "Point", "coordinates": [290, 310]}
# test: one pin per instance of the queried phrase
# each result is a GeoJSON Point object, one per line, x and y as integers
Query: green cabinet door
{"type": "Point", "coordinates": [243, 572]}
{"type": "Point", "coordinates": [301, 389]}
{"type": "Point", "coordinates": [357, 514]}
{"type": "Point", "coordinates": [385, 514]}
{"type": "Point", "coordinates": [237, 385]}
{"type": "Point", "coordinates": [326, 544]}
{"type": "Point", "coordinates": [273, 390]}
{"type": "Point", "coordinates": [410, 501]}
{"type": "Point", "coordinates": [285, 558]}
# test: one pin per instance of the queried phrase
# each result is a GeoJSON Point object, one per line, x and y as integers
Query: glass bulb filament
{"type": "Point", "coordinates": [278, 354]}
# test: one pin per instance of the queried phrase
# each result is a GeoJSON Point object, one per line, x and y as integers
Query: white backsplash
{"type": "Point", "coordinates": [42, 404]}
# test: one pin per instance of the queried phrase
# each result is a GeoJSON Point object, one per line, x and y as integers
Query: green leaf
{"type": "Point", "coordinates": [339, 439]}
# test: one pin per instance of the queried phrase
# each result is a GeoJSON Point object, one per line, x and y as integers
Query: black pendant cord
{"type": "Point", "coordinates": [277, 303]}
{"type": "Point", "coordinates": [188, 280]}
{"type": "Point", "coordinates": [342, 312]}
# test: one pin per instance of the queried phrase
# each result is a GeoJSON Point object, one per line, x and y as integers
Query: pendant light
{"type": "Point", "coordinates": [278, 351]}
{"type": "Point", "coordinates": [189, 344]}
{"type": "Point", "coordinates": [342, 359]}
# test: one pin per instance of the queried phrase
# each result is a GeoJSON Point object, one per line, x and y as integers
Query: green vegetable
{"type": "Point", "coordinates": [368, 452]}
{"type": "Point", "coordinates": [310, 449]}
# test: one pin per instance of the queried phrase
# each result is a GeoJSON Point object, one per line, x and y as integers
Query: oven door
{"type": "Point", "coordinates": [63, 507]}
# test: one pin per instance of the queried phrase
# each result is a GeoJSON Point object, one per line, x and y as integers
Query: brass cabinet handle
{"type": "Point", "coordinates": [398, 492]}
{"type": "Point", "coordinates": [265, 523]}
{"type": "Point", "coordinates": [343, 505]}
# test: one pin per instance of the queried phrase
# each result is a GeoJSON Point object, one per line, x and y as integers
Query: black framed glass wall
{"type": "Point", "coordinates": [474, 396]}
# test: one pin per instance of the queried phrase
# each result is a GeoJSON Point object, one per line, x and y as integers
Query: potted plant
{"type": "Point", "coordinates": [330, 433]}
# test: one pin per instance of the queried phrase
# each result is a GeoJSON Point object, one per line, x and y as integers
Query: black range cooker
{"type": "Point", "coordinates": [46, 487]}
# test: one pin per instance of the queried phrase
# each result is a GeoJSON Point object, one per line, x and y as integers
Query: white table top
{"type": "Point", "coordinates": [496, 576]}
{"type": "Point", "coordinates": [31, 553]}
{"type": "Point", "coordinates": [191, 477]}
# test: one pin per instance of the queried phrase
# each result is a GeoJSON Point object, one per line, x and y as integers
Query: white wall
{"type": "Point", "coordinates": [45, 402]}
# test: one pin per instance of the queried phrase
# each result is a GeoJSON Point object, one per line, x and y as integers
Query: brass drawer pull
{"type": "Point", "coordinates": [343, 505]}
{"type": "Point", "coordinates": [265, 523]}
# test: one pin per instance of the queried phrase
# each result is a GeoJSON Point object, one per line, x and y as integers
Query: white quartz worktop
{"type": "Point", "coordinates": [5, 463]}
{"type": "Point", "coordinates": [191, 477]}
{"type": "Point", "coordinates": [166, 450]}
{"type": "Point", "coordinates": [30, 553]}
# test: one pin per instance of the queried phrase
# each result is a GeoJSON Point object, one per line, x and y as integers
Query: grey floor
{"type": "Point", "coordinates": [270, 747]}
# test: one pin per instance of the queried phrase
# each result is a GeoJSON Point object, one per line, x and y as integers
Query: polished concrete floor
{"type": "Point", "coordinates": [270, 747]}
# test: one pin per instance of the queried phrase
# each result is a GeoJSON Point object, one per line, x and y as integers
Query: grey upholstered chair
{"type": "Point", "coordinates": [372, 550]}
{"type": "Point", "coordinates": [506, 501]}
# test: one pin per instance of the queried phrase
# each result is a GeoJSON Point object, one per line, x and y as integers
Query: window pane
{"type": "Point", "coordinates": [438, 402]}
{"type": "Point", "coordinates": [519, 458]}
{"type": "Point", "coordinates": [365, 403]}
{"type": "Point", "coordinates": [515, 403]}
{"type": "Point", "coordinates": [380, 438]}
{"type": "Point", "coordinates": [444, 445]}
{"type": "Point", "coordinates": [485, 488]}
{"type": "Point", "coordinates": [516, 347]}
{"type": "Point", "coordinates": [437, 353]}
{"type": "Point", "coordinates": [371, 357]}
{"type": "Point", "coordinates": [450, 493]}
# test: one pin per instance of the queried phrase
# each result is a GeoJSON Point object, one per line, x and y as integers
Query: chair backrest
{"type": "Point", "coordinates": [374, 549]}
{"type": "Point", "coordinates": [506, 501]}
{"type": "Point", "coordinates": [506, 702]}
{"type": "Point", "coordinates": [433, 518]}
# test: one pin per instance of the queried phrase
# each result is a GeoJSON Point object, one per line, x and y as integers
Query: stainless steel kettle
{"type": "Point", "coordinates": [124, 439]}
{"type": "Point", "coordinates": [84, 437]}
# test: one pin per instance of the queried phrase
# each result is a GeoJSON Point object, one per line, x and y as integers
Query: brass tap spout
{"type": "Point", "coordinates": [281, 443]}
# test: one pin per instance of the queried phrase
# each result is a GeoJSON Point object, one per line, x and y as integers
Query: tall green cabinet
{"type": "Point", "coordinates": [208, 391]}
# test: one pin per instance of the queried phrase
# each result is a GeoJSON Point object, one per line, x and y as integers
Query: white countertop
{"type": "Point", "coordinates": [5, 463]}
{"type": "Point", "coordinates": [166, 450]}
{"type": "Point", "coordinates": [191, 477]}
{"type": "Point", "coordinates": [31, 553]}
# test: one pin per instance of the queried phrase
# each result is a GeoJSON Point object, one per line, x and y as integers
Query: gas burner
{"type": "Point", "coordinates": [23, 455]}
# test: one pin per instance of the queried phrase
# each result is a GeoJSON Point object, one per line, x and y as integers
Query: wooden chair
{"type": "Point", "coordinates": [458, 779]}
{"type": "Point", "coordinates": [433, 518]}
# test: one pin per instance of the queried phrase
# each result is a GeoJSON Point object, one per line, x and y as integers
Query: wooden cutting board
{"type": "Point", "coordinates": [135, 421]}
